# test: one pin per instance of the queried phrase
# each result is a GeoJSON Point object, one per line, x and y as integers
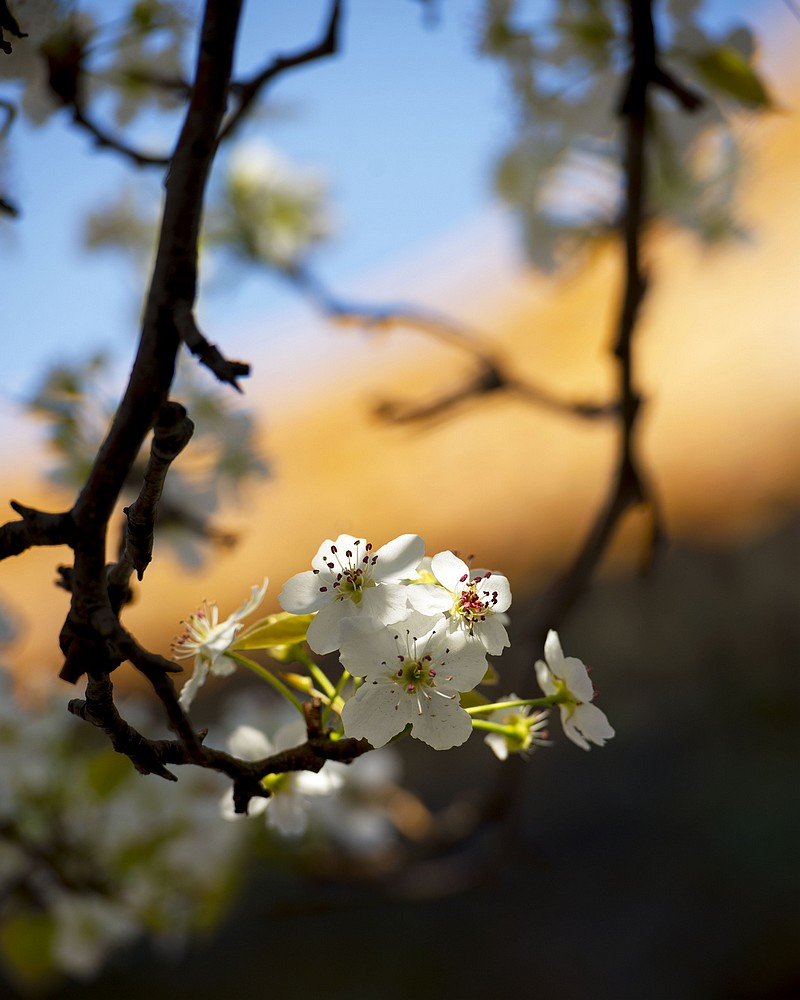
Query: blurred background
{"type": "Point", "coordinates": [453, 168]}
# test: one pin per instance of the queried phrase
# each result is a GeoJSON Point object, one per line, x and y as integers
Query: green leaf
{"type": "Point", "coordinates": [26, 942]}
{"type": "Point", "coordinates": [727, 70]}
{"type": "Point", "coordinates": [275, 631]}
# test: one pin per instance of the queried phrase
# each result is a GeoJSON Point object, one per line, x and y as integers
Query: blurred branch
{"type": "Point", "coordinates": [490, 375]}
{"type": "Point", "coordinates": [247, 91]}
{"type": "Point", "coordinates": [7, 23]}
{"type": "Point", "coordinates": [104, 140]}
{"type": "Point", "coordinates": [629, 486]}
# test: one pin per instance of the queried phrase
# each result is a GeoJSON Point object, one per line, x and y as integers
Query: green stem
{"type": "Point", "coordinates": [266, 675]}
{"type": "Point", "coordinates": [494, 727]}
{"type": "Point", "coordinates": [326, 711]}
{"type": "Point", "coordinates": [551, 699]}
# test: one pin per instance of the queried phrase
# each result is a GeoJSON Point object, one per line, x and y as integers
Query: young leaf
{"type": "Point", "coordinates": [282, 629]}
{"type": "Point", "coordinates": [725, 69]}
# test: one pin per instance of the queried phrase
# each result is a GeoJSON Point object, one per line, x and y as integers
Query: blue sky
{"type": "Point", "coordinates": [405, 124]}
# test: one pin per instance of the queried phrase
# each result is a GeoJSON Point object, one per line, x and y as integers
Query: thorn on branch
{"type": "Point", "coordinates": [171, 433]}
{"type": "Point", "coordinates": [208, 354]}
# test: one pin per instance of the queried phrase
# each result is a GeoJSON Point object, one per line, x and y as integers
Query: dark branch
{"type": "Point", "coordinates": [37, 527]}
{"type": "Point", "coordinates": [151, 756]}
{"type": "Point", "coordinates": [9, 24]}
{"type": "Point", "coordinates": [209, 355]}
{"type": "Point", "coordinates": [248, 90]}
{"type": "Point", "coordinates": [171, 433]}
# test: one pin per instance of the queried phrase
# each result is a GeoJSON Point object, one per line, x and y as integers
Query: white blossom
{"type": "Point", "coordinates": [473, 600]}
{"type": "Point", "coordinates": [87, 927]}
{"type": "Point", "coordinates": [278, 210]}
{"type": "Point", "coordinates": [529, 729]}
{"type": "Point", "coordinates": [287, 808]}
{"type": "Point", "coordinates": [568, 677]}
{"type": "Point", "coordinates": [349, 581]}
{"type": "Point", "coordinates": [413, 675]}
{"type": "Point", "coordinates": [208, 639]}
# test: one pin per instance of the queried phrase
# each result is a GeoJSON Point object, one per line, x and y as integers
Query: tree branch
{"type": "Point", "coordinates": [37, 527]}
{"type": "Point", "coordinates": [629, 486]}
{"type": "Point", "coordinates": [171, 433]}
{"type": "Point", "coordinates": [248, 90]}
{"type": "Point", "coordinates": [490, 376]}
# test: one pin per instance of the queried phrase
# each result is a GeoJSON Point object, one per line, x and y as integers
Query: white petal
{"type": "Point", "coordinates": [461, 657]}
{"type": "Point", "coordinates": [545, 678]}
{"type": "Point", "coordinates": [222, 666]}
{"type": "Point", "coordinates": [383, 605]}
{"type": "Point", "coordinates": [592, 724]}
{"type": "Point", "coordinates": [553, 653]}
{"type": "Point", "coordinates": [576, 677]}
{"type": "Point", "coordinates": [301, 594]}
{"type": "Point", "coordinates": [249, 743]}
{"type": "Point", "coordinates": [443, 723]}
{"type": "Point", "coordinates": [428, 598]}
{"type": "Point", "coordinates": [291, 735]}
{"type": "Point", "coordinates": [570, 728]}
{"type": "Point", "coordinates": [449, 570]}
{"type": "Point", "coordinates": [368, 654]}
{"type": "Point", "coordinates": [496, 584]}
{"type": "Point", "coordinates": [378, 711]}
{"type": "Point", "coordinates": [323, 556]}
{"type": "Point", "coordinates": [497, 744]}
{"type": "Point", "coordinates": [318, 783]}
{"type": "Point", "coordinates": [288, 814]}
{"type": "Point", "coordinates": [256, 597]}
{"type": "Point", "coordinates": [324, 632]}
{"type": "Point", "coordinates": [399, 558]}
{"type": "Point", "coordinates": [493, 635]}
{"type": "Point", "coordinates": [195, 682]}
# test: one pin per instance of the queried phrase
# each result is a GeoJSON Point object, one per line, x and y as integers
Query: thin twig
{"type": "Point", "coordinates": [248, 90]}
{"type": "Point", "coordinates": [489, 377]}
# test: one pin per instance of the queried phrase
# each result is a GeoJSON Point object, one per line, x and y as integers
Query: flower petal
{"type": "Point", "coordinates": [545, 678]}
{"type": "Point", "coordinates": [383, 605]}
{"type": "Point", "coordinates": [195, 682]}
{"type": "Point", "coordinates": [495, 583]}
{"type": "Point", "coordinates": [553, 653]}
{"type": "Point", "coordinates": [493, 635]}
{"type": "Point", "coordinates": [249, 743]}
{"type": "Point", "coordinates": [378, 711]}
{"type": "Point", "coordinates": [576, 677]}
{"type": "Point", "coordinates": [253, 601]}
{"type": "Point", "coordinates": [301, 594]}
{"type": "Point", "coordinates": [324, 632]}
{"type": "Point", "coordinates": [288, 814]}
{"type": "Point", "coordinates": [593, 724]}
{"type": "Point", "coordinates": [442, 724]}
{"type": "Point", "coordinates": [428, 598]}
{"type": "Point", "coordinates": [449, 570]}
{"type": "Point", "coordinates": [399, 558]}
{"type": "Point", "coordinates": [497, 744]}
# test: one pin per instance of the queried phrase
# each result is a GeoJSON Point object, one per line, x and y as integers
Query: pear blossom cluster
{"type": "Point", "coordinates": [413, 635]}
